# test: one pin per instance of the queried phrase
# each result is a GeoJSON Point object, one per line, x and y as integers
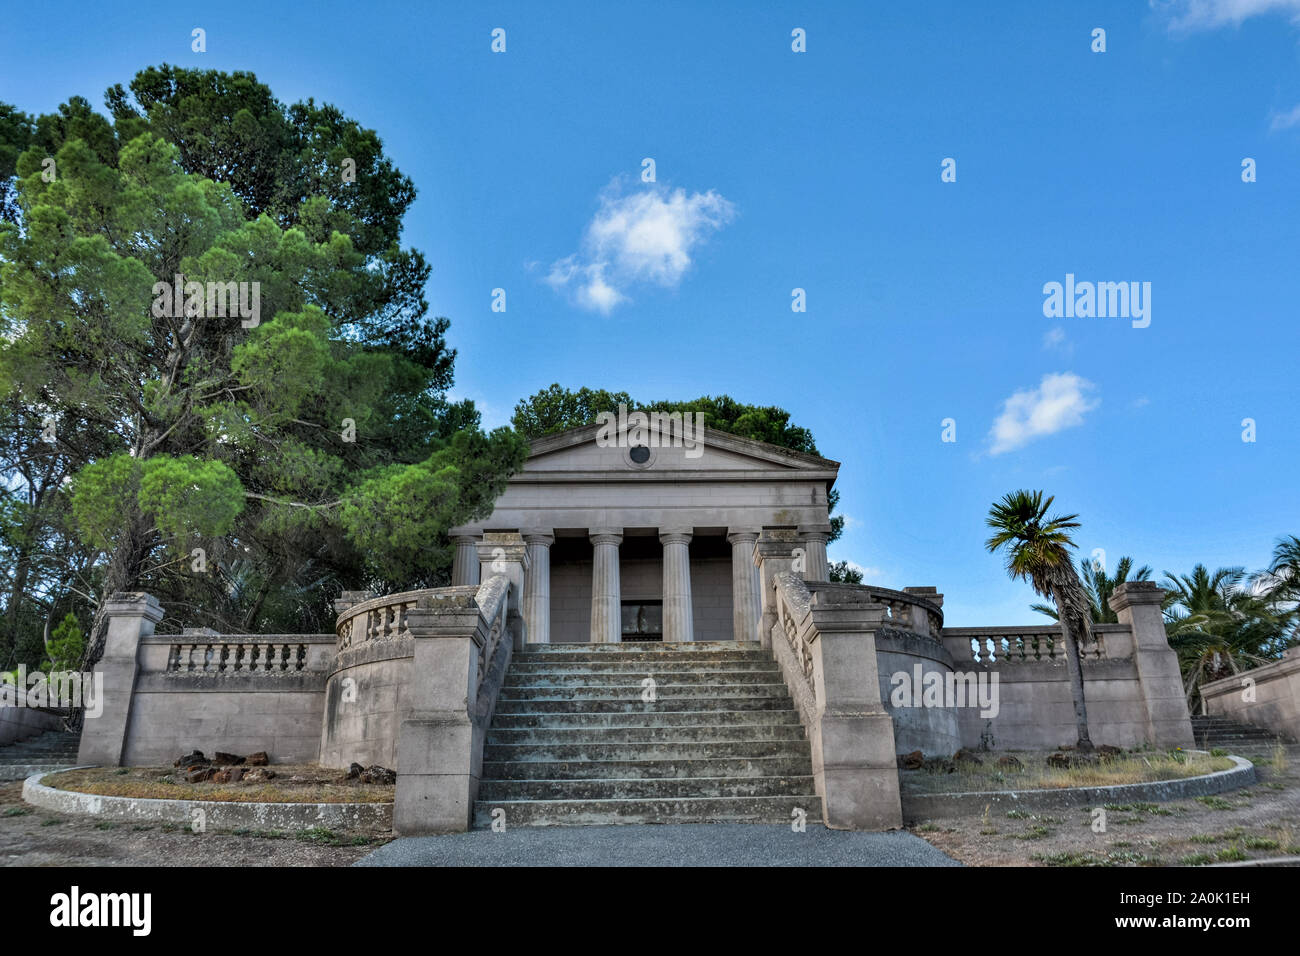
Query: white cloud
{"type": "Point", "coordinates": [1285, 120]}
{"type": "Point", "coordinates": [1210, 14]}
{"type": "Point", "coordinates": [869, 575]}
{"type": "Point", "coordinates": [1054, 340]}
{"type": "Point", "coordinates": [642, 237]}
{"type": "Point", "coordinates": [1059, 402]}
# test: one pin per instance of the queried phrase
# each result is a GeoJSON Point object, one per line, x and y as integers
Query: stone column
{"type": "Point", "coordinates": [606, 604]}
{"type": "Point", "coordinates": [773, 553]}
{"type": "Point", "coordinates": [505, 553]}
{"type": "Point", "coordinates": [813, 542]}
{"type": "Point", "coordinates": [746, 609]}
{"type": "Point", "coordinates": [679, 621]}
{"type": "Point", "coordinates": [537, 587]}
{"type": "Point", "coordinates": [131, 617]}
{"type": "Point", "coordinates": [1137, 604]}
{"type": "Point", "coordinates": [465, 567]}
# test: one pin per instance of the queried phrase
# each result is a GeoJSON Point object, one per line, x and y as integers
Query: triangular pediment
{"type": "Point", "coordinates": [669, 447]}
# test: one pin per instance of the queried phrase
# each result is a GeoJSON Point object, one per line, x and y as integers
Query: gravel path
{"type": "Point", "coordinates": [701, 844]}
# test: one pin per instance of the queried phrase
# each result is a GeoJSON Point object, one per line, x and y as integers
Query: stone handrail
{"type": "Point", "coordinates": [1033, 644]}
{"type": "Point", "coordinates": [905, 610]}
{"type": "Point", "coordinates": [374, 618]}
{"type": "Point", "coordinates": [203, 652]}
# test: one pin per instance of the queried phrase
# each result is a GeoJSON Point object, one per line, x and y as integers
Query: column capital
{"type": "Point", "coordinates": [464, 539]}
{"type": "Point", "coordinates": [819, 533]}
{"type": "Point", "coordinates": [605, 535]}
{"type": "Point", "coordinates": [742, 535]}
{"type": "Point", "coordinates": [544, 538]}
{"type": "Point", "coordinates": [676, 536]}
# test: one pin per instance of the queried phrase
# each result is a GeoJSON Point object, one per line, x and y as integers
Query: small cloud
{"type": "Point", "coordinates": [851, 522]}
{"type": "Point", "coordinates": [1191, 15]}
{"type": "Point", "coordinates": [1141, 402]}
{"type": "Point", "coordinates": [646, 236]}
{"type": "Point", "coordinates": [1054, 341]}
{"type": "Point", "coordinates": [1059, 402]}
{"type": "Point", "coordinates": [1285, 120]}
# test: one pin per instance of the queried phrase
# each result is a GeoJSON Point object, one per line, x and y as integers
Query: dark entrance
{"type": "Point", "coordinates": [642, 621]}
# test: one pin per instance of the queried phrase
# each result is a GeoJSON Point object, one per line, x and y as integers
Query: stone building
{"type": "Point", "coordinates": [642, 630]}
{"type": "Point", "coordinates": [645, 541]}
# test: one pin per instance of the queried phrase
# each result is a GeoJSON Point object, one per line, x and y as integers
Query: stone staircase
{"type": "Point", "coordinates": [51, 750]}
{"type": "Point", "coordinates": [1210, 732]}
{"type": "Point", "coordinates": [573, 743]}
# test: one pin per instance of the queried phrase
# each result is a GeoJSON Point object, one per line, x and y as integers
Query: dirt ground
{"type": "Point", "coordinates": [1250, 824]}
{"type": "Point", "coordinates": [30, 836]}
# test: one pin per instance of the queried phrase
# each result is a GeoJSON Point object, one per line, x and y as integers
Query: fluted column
{"type": "Point", "coordinates": [606, 608]}
{"type": "Point", "coordinates": [746, 609]}
{"type": "Point", "coordinates": [464, 568]}
{"type": "Point", "coordinates": [537, 587]}
{"type": "Point", "coordinates": [816, 565]}
{"type": "Point", "coordinates": [679, 619]}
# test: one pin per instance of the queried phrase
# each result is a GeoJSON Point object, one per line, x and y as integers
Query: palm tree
{"type": "Point", "coordinates": [1038, 550]}
{"type": "Point", "coordinates": [1280, 583]}
{"type": "Point", "coordinates": [1099, 588]}
{"type": "Point", "coordinates": [1218, 627]}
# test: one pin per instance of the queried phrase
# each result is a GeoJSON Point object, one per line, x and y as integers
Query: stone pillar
{"type": "Point", "coordinates": [773, 553]}
{"type": "Point", "coordinates": [505, 553]}
{"type": "Point", "coordinates": [1137, 604]}
{"type": "Point", "coordinates": [921, 623]}
{"type": "Point", "coordinates": [853, 740]}
{"type": "Point", "coordinates": [131, 616]}
{"type": "Point", "coordinates": [746, 608]}
{"type": "Point", "coordinates": [537, 587]}
{"type": "Point", "coordinates": [813, 541]}
{"type": "Point", "coordinates": [465, 567]}
{"type": "Point", "coordinates": [679, 620]}
{"type": "Point", "coordinates": [606, 601]}
{"type": "Point", "coordinates": [440, 740]}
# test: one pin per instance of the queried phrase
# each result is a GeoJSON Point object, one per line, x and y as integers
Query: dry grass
{"type": "Point", "coordinates": [292, 784]}
{"type": "Point", "coordinates": [1036, 775]}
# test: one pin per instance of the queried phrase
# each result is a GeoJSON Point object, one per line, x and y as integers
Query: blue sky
{"type": "Point", "coordinates": [821, 170]}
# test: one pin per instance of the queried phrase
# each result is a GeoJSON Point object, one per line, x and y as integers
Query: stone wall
{"type": "Point", "coordinates": [20, 723]}
{"type": "Point", "coordinates": [1267, 696]}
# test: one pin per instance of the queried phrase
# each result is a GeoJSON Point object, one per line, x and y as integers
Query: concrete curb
{"type": "Point", "coordinates": [216, 815]}
{"type": "Point", "coordinates": [920, 807]}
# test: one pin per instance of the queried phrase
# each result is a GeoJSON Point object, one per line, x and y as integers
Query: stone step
{"type": "Point", "coordinates": [639, 657]}
{"type": "Point", "coordinates": [647, 750]}
{"type": "Point", "coordinates": [680, 718]}
{"type": "Point", "coordinates": [524, 813]}
{"type": "Point", "coordinates": [616, 666]}
{"type": "Point", "coordinates": [647, 647]}
{"type": "Point", "coordinates": [769, 766]}
{"type": "Point", "coordinates": [670, 734]}
{"type": "Point", "coordinates": [11, 772]}
{"type": "Point", "coordinates": [664, 705]}
{"type": "Point", "coordinates": [633, 692]}
{"type": "Point", "coordinates": [635, 788]}
{"type": "Point", "coordinates": [633, 679]}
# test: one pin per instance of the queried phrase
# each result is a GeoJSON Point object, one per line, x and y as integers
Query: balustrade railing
{"type": "Point", "coordinates": [249, 655]}
{"type": "Point", "coordinates": [1028, 645]}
